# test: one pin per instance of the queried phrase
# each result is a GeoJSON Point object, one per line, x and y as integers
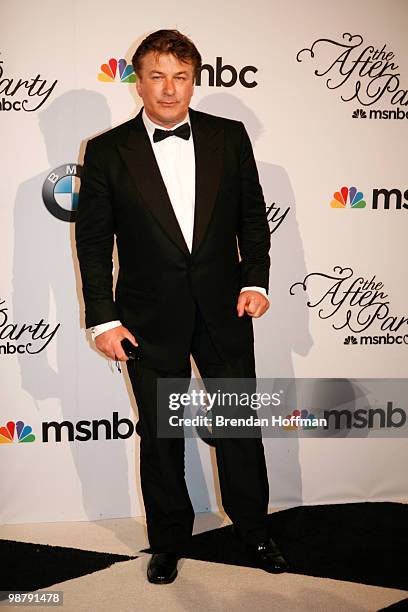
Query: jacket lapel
{"type": "Point", "coordinates": [208, 148]}
{"type": "Point", "coordinates": [141, 163]}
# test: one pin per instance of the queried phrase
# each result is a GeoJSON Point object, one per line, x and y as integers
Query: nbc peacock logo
{"type": "Point", "coordinates": [348, 197]}
{"type": "Point", "coordinates": [16, 432]}
{"type": "Point", "coordinates": [300, 419]}
{"type": "Point", "coordinates": [359, 112]}
{"type": "Point", "coordinates": [115, 70]}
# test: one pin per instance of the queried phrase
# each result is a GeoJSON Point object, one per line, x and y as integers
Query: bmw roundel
{"type": "Point", "coordinates": [60, 191]}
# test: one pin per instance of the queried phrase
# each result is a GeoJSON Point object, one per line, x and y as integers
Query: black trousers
{"type": "Point", "coordinates": [240, 461]}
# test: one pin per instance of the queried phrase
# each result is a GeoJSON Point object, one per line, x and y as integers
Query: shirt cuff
{"type": "Point", "coordinates": [259, 289]}
{"type": "Point", "coordinates": [103, 327]}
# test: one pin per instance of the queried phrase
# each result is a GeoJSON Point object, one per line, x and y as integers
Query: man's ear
{"type": "Point", "coordinates": [138, 85]}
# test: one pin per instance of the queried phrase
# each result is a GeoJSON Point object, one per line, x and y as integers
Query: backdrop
{"type": "Point", "coordinates": [322, 89]}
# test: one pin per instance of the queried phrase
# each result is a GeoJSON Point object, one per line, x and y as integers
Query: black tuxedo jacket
{"type": "Point", "coordinates": [159, 281]}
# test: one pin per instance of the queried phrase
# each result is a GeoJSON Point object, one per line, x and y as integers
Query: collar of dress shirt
{"type": "Point", "coordinates": [151, 126]}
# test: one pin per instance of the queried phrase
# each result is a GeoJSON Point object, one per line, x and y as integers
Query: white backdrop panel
{"type": "Point", "coordinates": [307, 145]}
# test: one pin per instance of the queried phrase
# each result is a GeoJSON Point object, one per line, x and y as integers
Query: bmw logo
{"type": "Point", "coordinates": [60, 191]}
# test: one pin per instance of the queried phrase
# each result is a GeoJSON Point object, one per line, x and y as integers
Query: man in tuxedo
{"type": "Point", "coordinates": [179, 189]}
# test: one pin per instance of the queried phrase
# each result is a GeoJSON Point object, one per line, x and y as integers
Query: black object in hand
{"type": "Point", "coordinates": [130, 349]}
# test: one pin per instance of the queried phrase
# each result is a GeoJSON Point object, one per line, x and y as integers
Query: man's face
{"type": "Point", "coordinates": [165, 85]}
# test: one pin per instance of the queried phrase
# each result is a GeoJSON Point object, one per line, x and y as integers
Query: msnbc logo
{"type": "Point", "coordinates": [300, 419]}
{"type": "Point", "coordinates": [114, 67]}
{"type": "Point", "coordinates": [23, 433]}
{"type": "Point", "coordinates": [354, 198]}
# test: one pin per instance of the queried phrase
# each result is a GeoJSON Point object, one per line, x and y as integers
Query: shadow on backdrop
{"type": "Point", "coordinates": [46, 284]}
{"type": "Point", "coordinates": [284, 329]}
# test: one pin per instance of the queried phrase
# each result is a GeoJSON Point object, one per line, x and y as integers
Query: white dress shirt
{"type": "Point", "coordinates": [176, 161]}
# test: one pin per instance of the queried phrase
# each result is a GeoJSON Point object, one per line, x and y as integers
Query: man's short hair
{"type": "Point", "coordinates": [168, 41]}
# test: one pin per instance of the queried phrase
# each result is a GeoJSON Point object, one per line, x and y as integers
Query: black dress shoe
{"type": "Point", "coordinates": [270, 558]}
{"type": "Point", "coordinates": [162, 568]}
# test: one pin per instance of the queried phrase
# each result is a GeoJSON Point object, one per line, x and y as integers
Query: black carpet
{"type": "Point", "coordinates": [400, 606]}
{"type": "Point", "coordinates": [362, 542]}
{"type": "Point", "coordinates": [28, 567]}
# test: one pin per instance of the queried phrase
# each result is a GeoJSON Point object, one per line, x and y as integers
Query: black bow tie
{"type": "Point", "coordinates": [183, 131]}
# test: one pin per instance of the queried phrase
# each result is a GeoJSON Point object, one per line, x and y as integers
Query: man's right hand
{"type": "Point", "coordinates": [109, 343]}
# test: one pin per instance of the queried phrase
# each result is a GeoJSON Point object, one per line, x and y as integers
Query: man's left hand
{"type": "Point", "coordinates": [253, 303]}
